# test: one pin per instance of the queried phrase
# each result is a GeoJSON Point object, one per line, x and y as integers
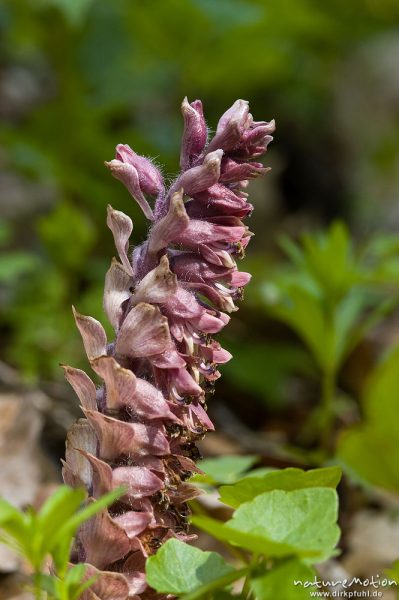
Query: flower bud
{"type": "Point", "coordinates": [195, 133]}
{"type": "Point", "coordinates": [150, 178]}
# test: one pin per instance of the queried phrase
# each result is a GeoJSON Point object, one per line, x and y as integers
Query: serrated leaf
{"type": "Point", "coordinates": [178, 568]}
{"type": "Point", "coordinates": [282, 523]}
{"type": "Point", "coordinates": [224, 469]}
{"type": "Point", "coordinates": [285, 479]}
{"type": "Point", "coordinates": [283, 581]}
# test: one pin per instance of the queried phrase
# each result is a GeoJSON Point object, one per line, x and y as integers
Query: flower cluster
{"type": "Point", "coordinates": [165, 301]}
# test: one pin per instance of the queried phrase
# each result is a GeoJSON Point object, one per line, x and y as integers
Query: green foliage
{"type": "Point", "coordinates": [192, 569]}
{"type": "Point", "coordinates": [50, 533]}
{"type": "Point", "coordinates": [287, 522]}
{"type": "Point", "coordinates": [224, 469]}
{"type": "Point", "coordinates": [370, 450]}
{"type": "Point", "coordinates": [279, 523]}
{"type": "Point", "coordinates": [322, 295]}
{"type": "Point", "coordinates": [288, 479]}
{"type": "Point", "coordinates": [332, 295]}
{"type": "Point", "coordinates": [280, 581]}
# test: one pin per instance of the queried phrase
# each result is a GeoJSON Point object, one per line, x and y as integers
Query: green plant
{"type": "Point", "coordinates": [44, 539]}
{"type": "Point", "coordinates": [332, 294]}
{"type": "Point", "coordinates": [284, 521]}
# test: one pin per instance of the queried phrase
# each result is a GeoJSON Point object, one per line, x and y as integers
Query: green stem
{"type": "Point", "coordinates": [246, 589]}
{"type": "Point", "coordinates": [327, 406]}
{"type": "Point", "coordinates": [37, 586]}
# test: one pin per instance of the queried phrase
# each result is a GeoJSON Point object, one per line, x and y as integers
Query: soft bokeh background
{"type": "Point", "coordinates": [79, 76]}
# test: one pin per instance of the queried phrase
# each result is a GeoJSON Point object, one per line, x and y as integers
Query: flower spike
{"type": "Point", "coordinates": [166, 300]}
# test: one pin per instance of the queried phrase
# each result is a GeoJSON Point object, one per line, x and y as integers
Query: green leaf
{"type": "Point", "coordinates": [280, 582]}
{"type": "Point", "coordinates": [285, 479]}
{"type": "Point", "coordinates": [223, 532]}
{"type": "Point", "coordinates": [14, 525]}
{"type": "Point", "coordinates": [282, 523]}
{"type": "Point", "coordinates": [48, 583]}
{"type": "Point", "coordinates": [59, 507]}
{"type": "Point", "coordinates": [71, 525]}
{"type": "Point", "coordinates": [178, 568]}
{"type": "Point", "coordinates": [224, 469]}
{"type": "Point", "coordinates": [370, 451]}
{"type": "Point", "coordinates": [304, 520]}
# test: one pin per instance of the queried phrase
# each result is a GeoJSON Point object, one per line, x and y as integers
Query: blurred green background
{"type": "Point", "coordinates": [315, 374]}
{"type": "Point", "coordinates": [79, 76]}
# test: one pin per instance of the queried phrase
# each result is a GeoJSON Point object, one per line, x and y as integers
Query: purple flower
{"type": "Point", "coordinates": [165, 301]}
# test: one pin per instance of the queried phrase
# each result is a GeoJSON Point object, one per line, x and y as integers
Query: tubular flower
{"type": "Point", "coordinates": [165, 301]}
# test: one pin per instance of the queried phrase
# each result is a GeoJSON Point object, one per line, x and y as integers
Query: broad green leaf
{"type": "Point", "coordinates": [285, 479]}
{"type": "Point", "coordinates": [178, 568]}
{"type": "Point", "coordinates": [304, 520]}
{"type": "Point", "coordinates": [224, 469]}
{"type": "Point", "coordinates": [282, 523]}
{"type": "Point", "coordinates": [283, 581]}
{"type": "Point", "coordinates": [249, 541]}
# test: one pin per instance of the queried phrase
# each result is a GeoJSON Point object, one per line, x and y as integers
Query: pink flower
{"type": "Point", "coordinates": [165, 302]}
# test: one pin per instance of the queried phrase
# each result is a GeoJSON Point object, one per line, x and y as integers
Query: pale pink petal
{"type": "Point", "coordinates": [129, 176]}
{"type": "Point", "coordinates": [93, 335]}
{"type": "Point", "coordinates": [107, 585]}
{"type": "Point", "coordinates": [101, 474]}
{"type": "Point", "coordinates": [81, 436]}
{"type": "Point", "coordinates": [134, 571]}
{"type": "Point", "coordinates": [150, 178]}
{"type": "Point", "coordinates": [133, 522]}
{"type": "Point", "coordinates": [157, 286]}
{"type": "Point", "coordinates": [118, 282]}
{"type": "Point", "coordinates": [120, 384]}
{"type": "Point", "coordinates": [239, 278]}
{"type": "Point", "coordinates": [121, 226]}
{"type": "Point", "coordinates": [195, 132]}
{"type": "Point", "coordinates": [184, 493]}
{"type": "Point", "coordinates": [82, 385]}
{"type": "Point", "coordinates": [202, 415]}
{"type": "Point", "coordinates": [120, 438]}
{"type": "Point", "coordinates": [124, 389]}
{"type": "Point", "coordinates": [139, 481]}
{"type": "Point", "coordinates": [144, 332]}
{"type": "Point", "coordinates": [200, 178]}
{"type": "Point", "coordinates": [170, 226]}
{"type": "Point", "coordinates": [231, 126]}
{"type": "Point", "coordinates": [215, 353]}
{"type": "Point", "coordinates": [168, 360]}
{"type": "Point", "coordinates": [221, 300]}
{"type": "Point", "coordinates": [200, 232]}
{"type": "Point", "coordinates": [184, 382]}
{"type": "Point", "coordinates": [103, 541]}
